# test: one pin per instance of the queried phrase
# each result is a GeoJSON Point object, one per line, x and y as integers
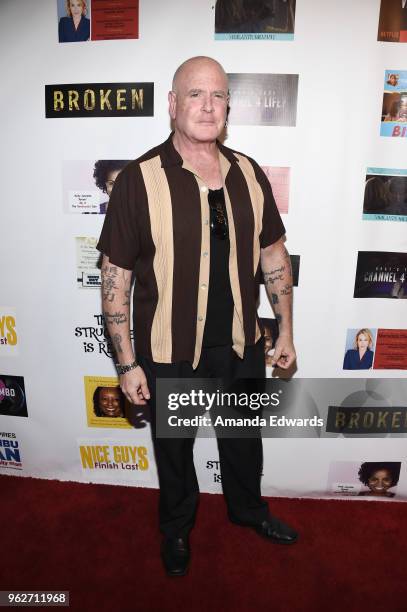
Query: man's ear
{"type": "Point", "coordinates": [172, 102]}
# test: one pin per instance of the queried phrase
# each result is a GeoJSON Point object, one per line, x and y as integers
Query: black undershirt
{"type": "Point", "coordinates": [219, 315]}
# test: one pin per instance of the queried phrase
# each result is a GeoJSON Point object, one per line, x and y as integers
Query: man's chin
{"type": "Point", "coordinates": [206, 133]}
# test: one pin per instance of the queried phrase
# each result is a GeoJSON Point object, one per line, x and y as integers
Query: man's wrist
{"type": "Point", "coordinates": [122, 369]}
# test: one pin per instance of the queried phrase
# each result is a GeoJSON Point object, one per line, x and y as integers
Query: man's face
{"type": "Point", "coordinates": [393, 80]}
{"type": "Point", "coordinates": [109, 402]}
{"type": "Point", "coordinates": [199, 105]}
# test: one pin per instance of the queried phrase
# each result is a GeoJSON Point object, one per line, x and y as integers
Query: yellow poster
{"type": "Point", "coordinates": [106, 405]}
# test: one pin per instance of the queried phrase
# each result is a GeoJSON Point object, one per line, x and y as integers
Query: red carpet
{"type": "Point", "coordinates": [101, 543]}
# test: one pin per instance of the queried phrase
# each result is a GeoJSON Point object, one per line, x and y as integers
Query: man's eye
{"type": "Point", "coordinates": [195, 94]}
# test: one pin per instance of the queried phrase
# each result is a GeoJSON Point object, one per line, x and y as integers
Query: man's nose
{"type": "Point", "coordinates": [207, 104]}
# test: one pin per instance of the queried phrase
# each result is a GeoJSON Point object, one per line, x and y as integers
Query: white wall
{"type": "Point", "coordinates": [341, 67]}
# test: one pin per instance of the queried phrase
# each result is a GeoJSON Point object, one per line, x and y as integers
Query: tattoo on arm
{"type": "Point", "coordinates": [117, 317]}
{"type": "Point", "coordinates": [274, 275]}
{"type": "Point", "coordinates": [117, 340]}
{"type": "Point", "coordinates": [109, 275]}
{"type": "Point", "coordinates": [286, 290]}
{"type": "Point", "coordinates": [279, 318]}
{"type": "Point", "coordinates": [127, 298]}
{"type": "Point", "coordinates": [274, 298]}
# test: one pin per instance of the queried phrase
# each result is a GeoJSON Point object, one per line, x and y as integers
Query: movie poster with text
{"type": "Point", "coordinates": [245, 20]}
{"type": "Point", "coordinates": [9, 335]}
{"type": "Point", "coordinates": [10, 452]}
{"type": "Point", "coordinates": [12, 396]}
{"type": "Point", "coordinates": [263, 99]}
{"type": "Point", "coordinates": [116, 461]}
{"type": "Point", "coordinates": [375, 479]}
{"type": "Point", "coordinates": [88, 263]}
{"type": "Point", "coordinates": [393, 21]}
{"type": "Point", "coordinates": [381, 274]}
{"type": "Point", "coordinates": [394, 108]}
{"type": "Point", "coordinates": [385, 197]}
{"type": "Point", "coordinates": [87, 185]}
{"type": "Point", "coordinates": [106, 405]}
{"type": "Point", "coordinates": [87, 20]}
{"type": "Point", "coordinates": [279, 179]}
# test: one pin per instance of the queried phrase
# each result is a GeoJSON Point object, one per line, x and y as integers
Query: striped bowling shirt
{"type": "Point", "coordinates": [157, 225]}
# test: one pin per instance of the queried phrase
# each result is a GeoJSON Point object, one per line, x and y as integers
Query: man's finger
{"type": "Point", "coordinates": [144, 390]}
{"type": "Point", "coordinates": [276, 356]}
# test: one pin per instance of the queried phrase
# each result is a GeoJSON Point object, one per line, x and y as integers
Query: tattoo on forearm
{"type": "Point", "coordinates": [279, 318]}
{"type": "Point", "coordinates": [270, 280]}
{"type": "Point", "coordinates": [271, 277]}
{"type": "Point", "coordinates": [117, 317]}
{"type": "Point", "coordinates": [117, 341]}
{"type": "Point", "coordinates": [109, 275]}
{"type": "Point", "coordinates": [286, 290]}
{"type": "Point", "coordinates": [127, 298]}
{"type": "Point", "coordinates": [274, 298]}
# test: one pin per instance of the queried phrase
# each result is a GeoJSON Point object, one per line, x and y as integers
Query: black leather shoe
{"type": "Point", "coordinates": [175, 554]}
{"type": "Point", "coordinates": [275, 530]}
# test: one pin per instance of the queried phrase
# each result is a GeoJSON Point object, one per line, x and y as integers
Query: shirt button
{"type": "Point", "coordinates": [206, 221]}
{"type": "Point", "coordinates": [200, 318]}
{"type": "Point", "coordinates": [204, 189]}
{"type": "Point", "coordinates": [205, 254]}
{"type": "Point", "coordinates": [203, 286]}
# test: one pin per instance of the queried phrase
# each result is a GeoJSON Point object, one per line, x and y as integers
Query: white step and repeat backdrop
{"type": "Point", "coordinates": [321, 104]}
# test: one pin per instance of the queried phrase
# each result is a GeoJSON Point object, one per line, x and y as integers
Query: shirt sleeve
{"type": "Point", "coordinates": [119, 239]}
{"type": "Point", "coordinates": [272, 225]}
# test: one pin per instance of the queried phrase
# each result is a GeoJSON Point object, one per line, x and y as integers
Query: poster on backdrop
{"type": "Point", "coordinates": [359, 349]}
{"type": "Point", "coordinates": [72, 100]}
{"type": "Point", "coordinates": [87, 185]}
{"type": "Point", "coordinates": [94, 337]}
{"type": "Point", "coordinates": [254, 20]}
{"type": "Point", "coordinates": [393, 21]}
{"type": "Point", "coordinates": [263, 99]}
{"type": "Point", "coordinates": [394, 108]}
{"type": "Point", "coordinates": [88, 263]}
{"type": "Point", "coordinates": [9, 336]}
{"type": "Point", "coordinates": [279, 179]}
{"type": "Point", "coordinates": [85, 20]}
{"type": "Point", "coordinates": [10, 452]}
{"type": "Point", "coordinates": [377, 479]}
{"type": "Point", "coordinates": [106, 405]}
{"type": "Point", "coordinates": [385, 197]}
{"type": "Point", "coordinates": [375, 349]}
{"type": "Point", "coordinates": [391, 350]}
{"type": "Point", "coordinates": [12, 396]}
{"type": "Point", "coordinates": [381, 274]}
{"type": "Point", "coordinates": [112, 460]}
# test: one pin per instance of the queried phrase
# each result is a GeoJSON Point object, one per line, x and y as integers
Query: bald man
{"type": "Point", "coordinates": [192, 219]}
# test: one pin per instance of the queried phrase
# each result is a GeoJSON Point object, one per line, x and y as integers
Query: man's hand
{"type": "Point", "coordinates": [284, 353]}
{"type": "Point", "coordinates": [134, 386]}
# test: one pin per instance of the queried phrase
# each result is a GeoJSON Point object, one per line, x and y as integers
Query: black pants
{"type": "Point", "coordinates": [241, 459]}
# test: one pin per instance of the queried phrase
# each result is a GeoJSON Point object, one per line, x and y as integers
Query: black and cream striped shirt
{"type": "Point", "coordinates": [157, 224]}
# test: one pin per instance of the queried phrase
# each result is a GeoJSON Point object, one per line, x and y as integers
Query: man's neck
{"type": "Point", "coordinates": [189, 149]}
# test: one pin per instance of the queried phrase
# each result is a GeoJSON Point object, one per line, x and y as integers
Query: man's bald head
{"type": "Point", "coordinates": [189, 66]}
